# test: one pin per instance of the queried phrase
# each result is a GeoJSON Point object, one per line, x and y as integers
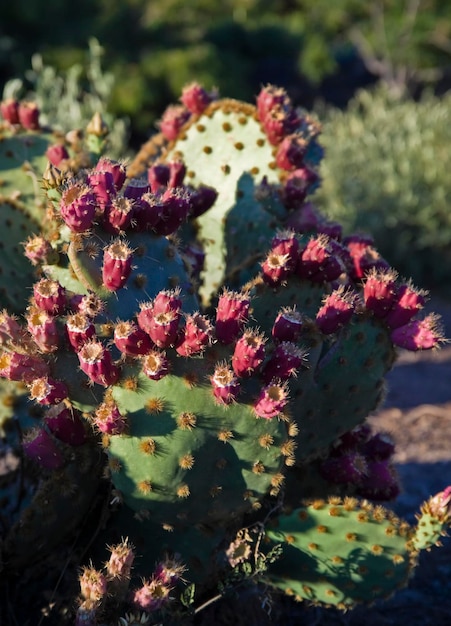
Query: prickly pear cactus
{"type": "Point", "coordinates": [224, 344]}
{"type": "Point", "coordinates": [234, 146]}
{"type": "Point", "coordinates": [26, 151]}
{"type": "Point", "coordinates": [351, 551]}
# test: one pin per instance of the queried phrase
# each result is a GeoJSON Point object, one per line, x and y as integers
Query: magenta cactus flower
{"type": "Point", "coordinates": [380, 291]}
{"type": "Point", "coordinates": [249, 353]}
{"type": "Point", "coordinates": [155, 364]}
{"type": "Point", "coordinates": [78, 208]}
{"type": "Point", "coordinates": [291, 152]}
{"type": "Point", "coordinates": [38, 250]}
{"type": "Point", "coordinates": [22, 367]}
{"type": "Point", "coordinates": [57, 154]}
{"type": "Point", "coordinates": [319, 262]}
{"type": "Point", "coordinates": [9, 110]}
{"type": "Point", "coordinates": [118, 215]}
{"type": "Point", "coordinates": [108, 419]}
{"type": "Point", "coordinates": [419, 334]}
{"type": "Point", "coordinates": [408, 302]}
{"type": "Point", "coordinates": [97, 363]}
{"type": "Point", "coordinates": [50, 296]}
{"type": "Point", "coordinates": [172, 121]}
{"type": "Point", "coordinates": [80, 329]}
{"type": "Point", "coordinates": [272, 400]}
{"type": "Point", "coordinates": [66, 424]}
{"type": "Point", "coordinates": [44, 329]}
{"type": "Point", "coordinates": [40, 446]}
{"type": "Point", "coordinates": [196, 335]}
{"type": "Point", "coordinates": [285, 361]}
{"type": "Point", "coordinates": [28, 113]}
{"type": "Point", "coordinates": [116, 168]}
{"type": "Point", "coordinates": [287, 325]}
{"type": "Point", "coordinates": [47, 390]}
{"type": "Point", "coordinates": [131, 340]}
{"type": "Point", "coordinates": [225, 384]}
{"type": "Point", "coordinates": [231, 314]}
{"type": "Point", "coordinates": [196, 98]}
{"type": "Point", "coordinates": [337, 309]}
{"type": "Point", "coordinates": [117, 265]}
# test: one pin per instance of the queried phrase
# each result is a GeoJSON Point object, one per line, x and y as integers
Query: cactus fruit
{"type": "Point", "coordinates": [218, 395]}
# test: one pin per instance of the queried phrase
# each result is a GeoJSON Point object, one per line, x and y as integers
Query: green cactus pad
{"type": "Point", "coordinates": [22, 163]}
{"type": "Point", "coordinates": [16, 271]}
{"type": "Point", "coordinates": [345, 386]}
{"type": "Point", "coordinates": [193, 460]}
{"type": "Point", "coordinates": [343, 380]}
{"type": "Point", "coordinates": [431, 527]}
{"type": "Point", "coordinates": [340, 553]}
{"type": "Point", "coordinates": [218, 147]}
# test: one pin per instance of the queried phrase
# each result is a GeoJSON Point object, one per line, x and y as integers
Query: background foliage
{"type": "Point", "coordinates": [154, 48]}
{"type": "Point", "coordinates": [387, 172]}
{"type": "Point", "coordinates": [130, 58]}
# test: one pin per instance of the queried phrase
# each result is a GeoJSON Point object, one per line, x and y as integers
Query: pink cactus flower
{"type": "Point", "coordinates": [117, 265]}
{"type": "Point", "coordinates": [408, 302]}
{"type": "Point", "coordinates": [108, 419]}
{"type": "Point", "coordinates": [422, 334]}
{"type": "Point", "coordinates": [225, 384]}
{"type": "Point", "coordinates": [97, 363]}
{"type": "Point", "coordinates": [22, 367]}
{"type": "Point", "coordinates": [118, 215]}
{"type": "Point", "coordinates": [249, 353]}
{"type": "Point", "coordinates": [379, 291]}
{"type": "Point", "coordinates": [285, 361]}
{"type": "Point", "coordinates": [173, 120]}
{"type": "Point", "coordinates": [319, 261]}
{"type": "Point", "coordinates": [48, 391]}
{"type": "Point", "coordinates": [195, 98]}
{"type": "Point", "coordinates": [196, 335]}
{"type": "Point", "coordinates": [272, 400]}
{"type": "Point", "coordinates": [269, 98]}
{"type": "Point", "coordinates": [44, 329]}
{"type": "Point", "coordinates": [155, 365]}
{"type": "Point", "coordinates": [50, 296]}
{"type": "Point", "coordinates": [120, 563]}
{"type": "Point", "coordinates": [287, 325]}
{"type": "Point", "coordinates": [39, 446]}
{"type": "Point", "coordinates": [37, 249]}
{"type": "Point", "coordinates": [291, 152]}
{"type": "Point", "coordinates": [336, 311]}
{"type": "Point", "coordinates": [152, 595]}
{"type": "Point", "coordinates": [131, 340]}
{"type": "Point", "coordinates": [78, 208]}
{"type": "Point", "coordinates": [9, 110]}
{"type": "Point", "coordinates": [116, 168]}
{"type": "Point", "coordinates": [29, 115]}
{"type": "Point", "coordinates": [231, 314]}
{"type": "Point", "coordinates": [57, 154]}
{"type": "Point", "coordinates": [79, 329]}
{"type": "Point", "coordinates": [66, 425]}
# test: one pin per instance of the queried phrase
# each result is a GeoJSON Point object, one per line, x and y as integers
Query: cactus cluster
{"type": "Point", "coordinates": [223, 342]}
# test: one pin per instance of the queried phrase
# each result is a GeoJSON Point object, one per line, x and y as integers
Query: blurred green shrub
{"type": "Point", "coordinates": [387, 172]}
{"type": "Point", "coordinates": [68, 99]}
